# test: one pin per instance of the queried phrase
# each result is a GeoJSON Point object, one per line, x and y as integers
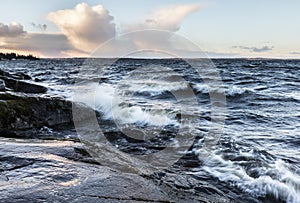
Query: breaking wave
{"type": "Point", "coordinates": [275, 180]}
{"type": "Point", "coordinates": [230, 91]}
{"type": "Point", "coordinates": [106, 100]}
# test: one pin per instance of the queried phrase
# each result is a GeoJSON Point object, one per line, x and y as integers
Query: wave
{"type": "Point", "coordinates": [114, 107]}
{"type": "Point", "coordinates": [292, 95]}
{"type": "Point", "coordinates": [155, 87]}
{"type": "Point", "coordinates": [280, 96]}
{"type": "Point", "coordinates": [275, 180]}
{"type": "Point", "coordinates": [229, 91]}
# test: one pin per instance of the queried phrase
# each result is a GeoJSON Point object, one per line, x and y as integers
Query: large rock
{"type": "Point", "coordinates": [17, 76]}
{"type": "Point", "coordinates": [14, 82]}
{"type": "Point", "coordinates": [21, 86]}
{"type": "Point", "coordinates": [22, 112]}
{"type": "Point", "coordinates": [35, 171]}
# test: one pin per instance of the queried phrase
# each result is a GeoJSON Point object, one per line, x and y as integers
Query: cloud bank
{"type": "Point", "coordinates": [295, 53]}
{"type": "Point", "coordinates": [44, 45]}
{"type": "Point", "coordinates": [12, 30]}
{"type": "Point", "coordinates": [255, 49]}
{"type": "Point", "coordinates": [85, 27]}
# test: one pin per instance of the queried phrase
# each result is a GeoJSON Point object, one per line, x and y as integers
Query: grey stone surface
{"type": "Point", "coordinates": [54, 171]}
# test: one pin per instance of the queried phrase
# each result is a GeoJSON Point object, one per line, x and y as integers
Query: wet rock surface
{"type": "Point", "coordinates": [16, 83]}
{"type": "Point", "coordinates": [26, 116]}
{"type": "Point", "coordinates": [59, 171]}
{"type": "Point", "coordinates": [21, 113]}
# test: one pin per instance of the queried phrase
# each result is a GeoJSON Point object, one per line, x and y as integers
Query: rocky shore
{"type": "Point", "coordinates": [41, 160]}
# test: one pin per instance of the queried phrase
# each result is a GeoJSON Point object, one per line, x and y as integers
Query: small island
{"type": "Point", "coordinates": [14, 56]}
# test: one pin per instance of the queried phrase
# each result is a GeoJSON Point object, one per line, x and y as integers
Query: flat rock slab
{"type": "Point", "coordinates": [54, 171]}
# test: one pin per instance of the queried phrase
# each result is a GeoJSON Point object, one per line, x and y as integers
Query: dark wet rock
{"type": "Point", "coordinates": [21, 76]}
{"type": "Point", "coordinates": [23, 115]}
{"type": "Point", "coordinates": [24, 112]}
{"type": "Point", "coordinates": [17, 76]}
{"type": "Point", "coordinates": [16, 83]}
{"type": "Point", "coordinates": [37, 80]}
{"type": "Point", "coordinates": [47, 171]}
{"type": "Point", "coordinates": [21, 86]}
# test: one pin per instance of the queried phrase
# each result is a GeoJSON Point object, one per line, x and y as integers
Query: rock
{"type": "Point", "coordinates": [13, 81]}
{"type": "Point", "coordinates": [17, 76]}
{"type": "Point", "coordinates": [21, 86]}
{"type": "Point", "coordinates": [45, 171]}
{"type": "Point", "coordinates": [2, 86]}
{"type": "Point", "coordinates": [21, 76]}
{"type": "Point", "coordinates": [22, 113]}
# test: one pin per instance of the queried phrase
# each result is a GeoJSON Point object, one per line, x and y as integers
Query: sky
{"type": "Point", "coordinates": [74, 28]}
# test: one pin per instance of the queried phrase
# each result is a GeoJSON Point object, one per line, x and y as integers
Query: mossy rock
{"type": "Point", "coordinates": [22, 112]}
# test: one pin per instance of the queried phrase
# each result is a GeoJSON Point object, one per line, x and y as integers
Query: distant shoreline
{"type": "Point", "coordinates": [14, 56]}
{"type": "Point", "coordinates": [133, 58]}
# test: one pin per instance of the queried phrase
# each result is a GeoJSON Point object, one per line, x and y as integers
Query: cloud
{"type": "Point", "coordinates": [13, 38]}
{"type": "Point", "coordinates": [168, 19]}
{"type": "Point", "coordinates": [255, 49]}
{"type": "Point", "coordinates": [46, 45]}
{"type": "Point", "coordinates": [42, 27]}
{"type": "Point", "coordinates": [85, 27]}
{"type": "Point", "coordinates": [11, 30]}
{"type": "Point", "coordinates": [126, 45]}
{"type": "Point", "coordinates": [295, 53]}
{"type": "Point", "coordinates": [222, 55]}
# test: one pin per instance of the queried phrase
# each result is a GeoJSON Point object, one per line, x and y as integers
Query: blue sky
{"type": "Point", "coordinates": [231, 28]}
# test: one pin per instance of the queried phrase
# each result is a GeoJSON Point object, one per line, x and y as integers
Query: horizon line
{"type": "Point", "coordinates": [174, 58]}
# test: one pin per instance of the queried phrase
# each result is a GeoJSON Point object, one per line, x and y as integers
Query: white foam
{"type": "Point", "coordinates": [276, 179]}
{"type": "Point", "coordinates": [294, 95]}
{"type": "Point", "coordinates": [105, 99]}
{"type": "Point", "coordinates": [156, 87]}
{"type": "Point", "coordinates": [229, 90]}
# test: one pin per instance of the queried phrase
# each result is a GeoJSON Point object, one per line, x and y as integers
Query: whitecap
{"type": "Point", "coordinates": [105, 98]}
{"type": "Point", "coordinates": [276, 179]}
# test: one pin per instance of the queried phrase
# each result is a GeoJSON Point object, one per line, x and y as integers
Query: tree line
{"type": "Point", "coordinates": [14, 56]}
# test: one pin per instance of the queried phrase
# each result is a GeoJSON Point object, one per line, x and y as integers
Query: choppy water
{"type": "Point", "coordinates": [258, 152]}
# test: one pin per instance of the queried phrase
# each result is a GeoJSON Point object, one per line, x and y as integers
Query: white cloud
{"type": "Point", "coordinates": [168, 19]}
{"type": "Point", "coordinates": [11, 30]}
{"type": "Point", "coordinates": [171, 17]}
{"type": "Point", "coordinates": [86, 27]}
